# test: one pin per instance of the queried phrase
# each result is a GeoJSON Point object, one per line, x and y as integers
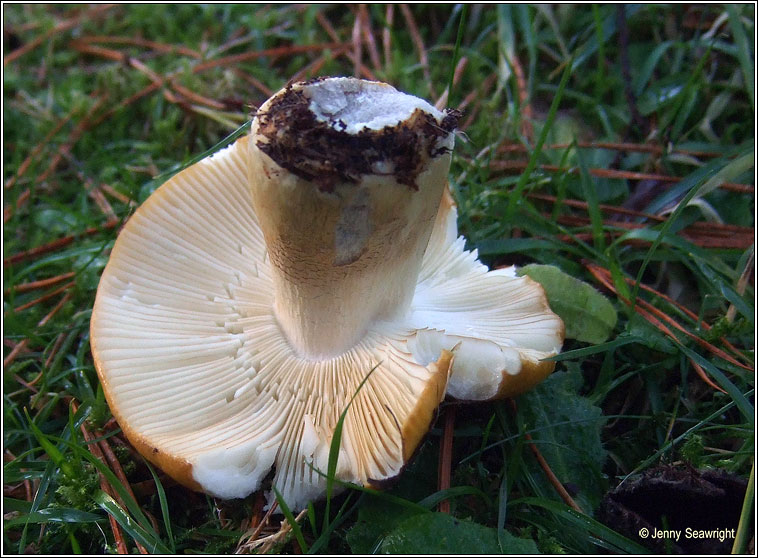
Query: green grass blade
{"type": "Point", "coordinates": [515, 197]}
{"type": "Point", "coordinates": [164, 507]}
{"type": "Point", "coordinates": [334, 448]}
{"type": "Point", "coordinates": [586, 523]}
{"type": "Point", "coordinates": [291, 520]}
{"type": "Point", "coordinates": [742, 538]}
{"type": "Point", "coordinates": [743, 52]}
{"type": "Point", "coordinates": [146, 538]}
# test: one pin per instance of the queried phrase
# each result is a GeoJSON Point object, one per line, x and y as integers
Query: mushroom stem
{"type": "Point", "coordinates": [346, 179]}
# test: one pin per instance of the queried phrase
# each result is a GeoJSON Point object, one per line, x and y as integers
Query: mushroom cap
{"type": "Point", "coordinates": [204, 383]}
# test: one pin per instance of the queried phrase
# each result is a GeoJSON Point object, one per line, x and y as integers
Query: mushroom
{"type": "Point", "coordinates": [245, 302]}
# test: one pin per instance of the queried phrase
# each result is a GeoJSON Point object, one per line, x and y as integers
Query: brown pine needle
{"type": "Point", "coordinates": [271, 52]}
{"type": "Point", "coordinates": [612, 173]}
{"type": "Point", "coordinates": [41, 284]}
{"type": "Point", "coordinates": [22, 344]}
{"type": "Point", "coordinates": [59, 28]}
{"type": "Point", "coordinates": [44, 297]}
{"type": "Point", "coordinates": [57, 244]}
{"type": "Point", "coordinates": [419, 44]}
{"type": "Point", "coordinates": [138, 41]}
{"type": "Point", "coordinates": [604, 277]}
{"type": "Point", "coordinates": [37, 149]}
{"type": "Point", "coordinates": [387, 36]}
{"type": "Point", "coordinates": [557, 484]}
{"type": "Point", "coordinates": [357, 46]}
{"type": "Point", "coordinates": [446, 456]}
{"type": "Point", "coordinates": [634, 147]}
{"type": "Point", "coordinates": [368, 36]}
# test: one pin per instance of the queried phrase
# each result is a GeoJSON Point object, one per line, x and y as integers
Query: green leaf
{"type": "Point", "coordinates": [587, 315]}
{"type": "Point", "coordinates": [376, 518]}
{"type": "Point", "coordinates": [567, 430]}
{"type": "Point", "coordinates": [440, 533]}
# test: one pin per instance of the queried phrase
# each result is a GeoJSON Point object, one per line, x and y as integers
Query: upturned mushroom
{"type": "Point", "coordinates": [247, 299]}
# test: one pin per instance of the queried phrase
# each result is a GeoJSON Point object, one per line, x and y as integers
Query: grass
{"type": "Point", "coordinates": [614, 142]}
